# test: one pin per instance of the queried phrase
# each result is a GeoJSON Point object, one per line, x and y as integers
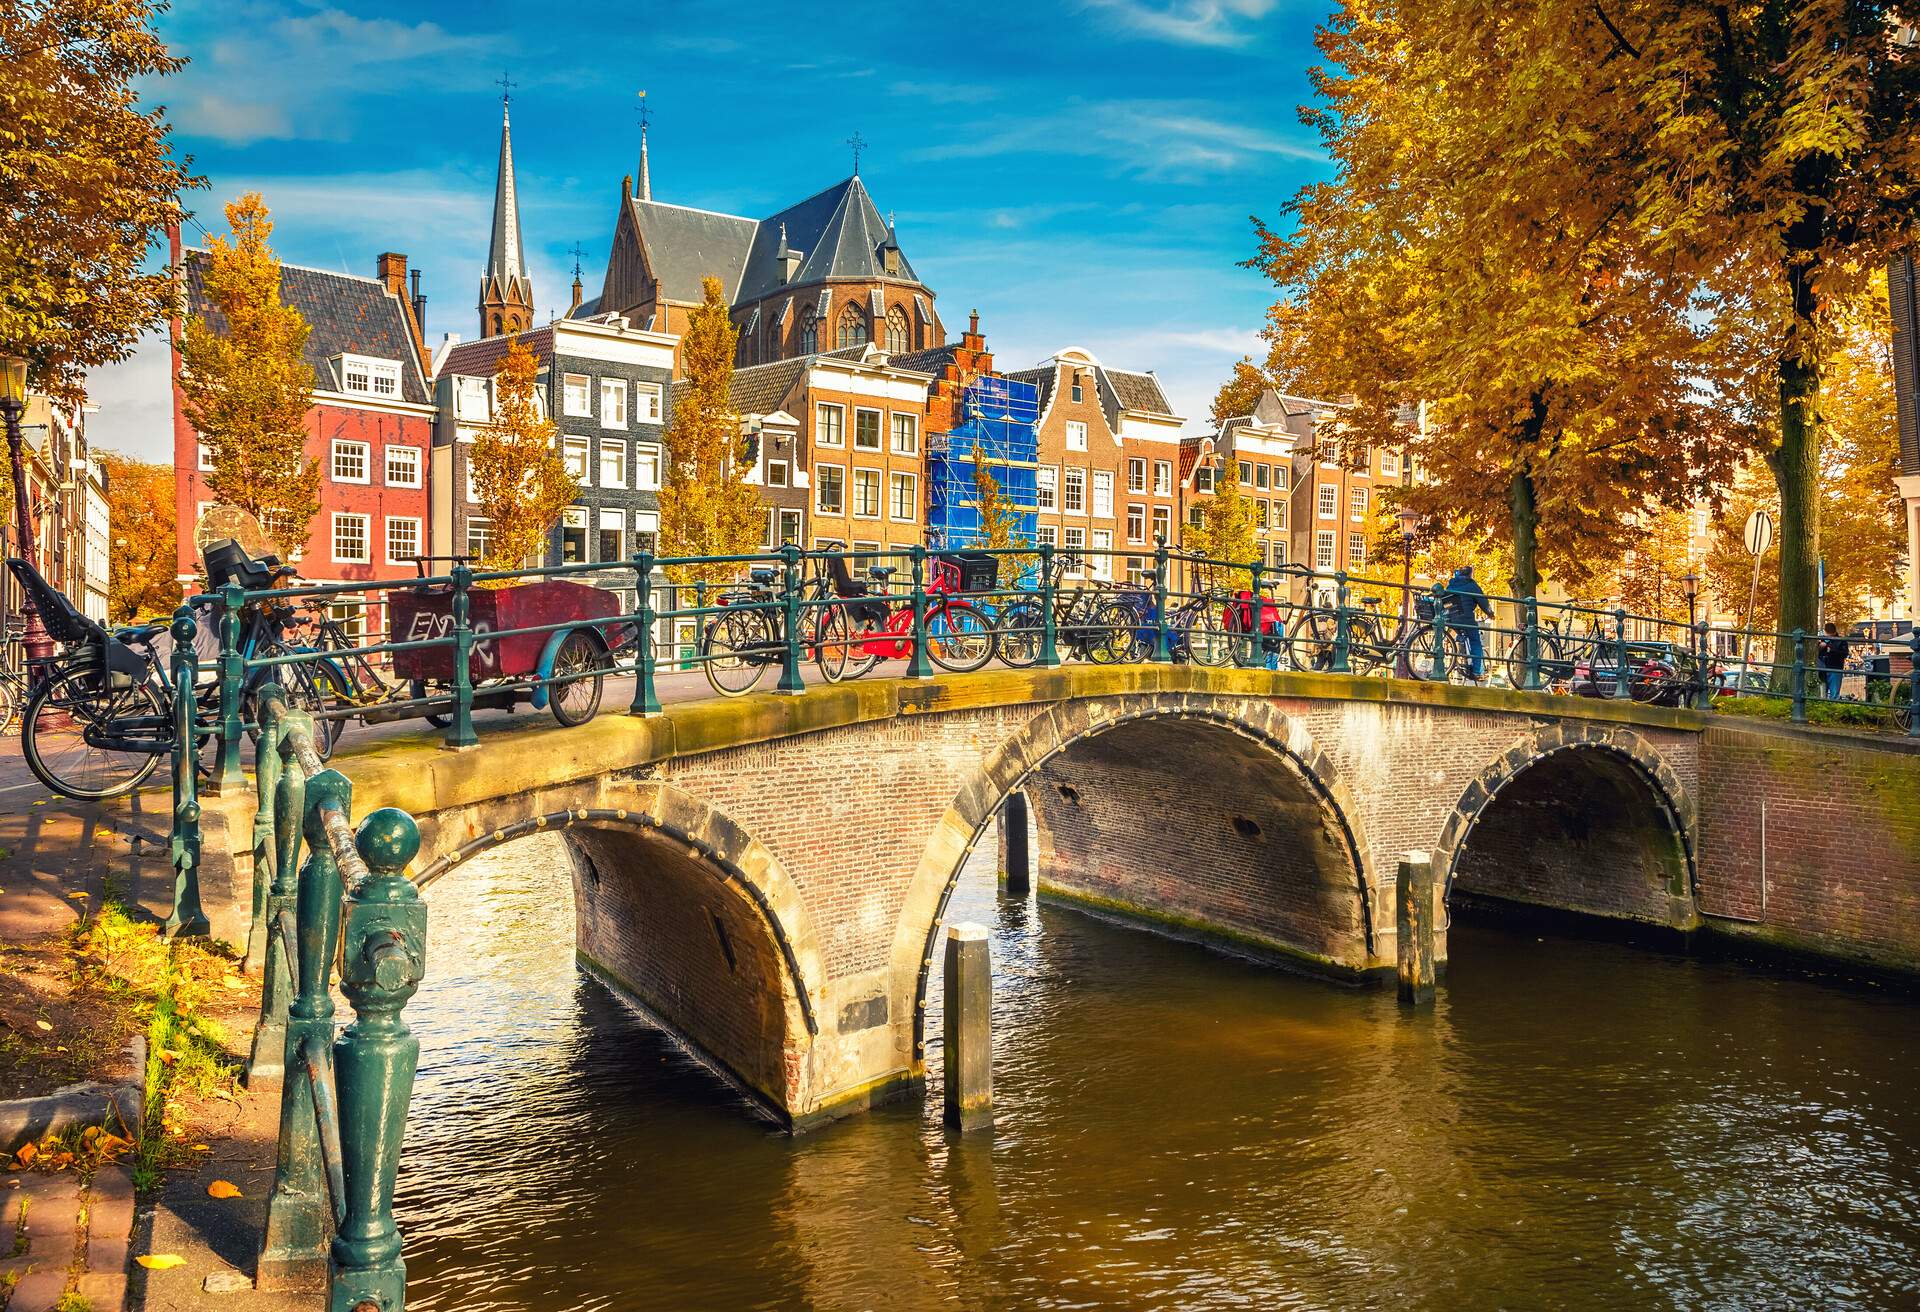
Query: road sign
{"type": "Point", "coordinates": [1759, 533]}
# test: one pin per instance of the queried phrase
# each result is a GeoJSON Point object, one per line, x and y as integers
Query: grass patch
{"type": "Point", "coordinates": [1771, 706]}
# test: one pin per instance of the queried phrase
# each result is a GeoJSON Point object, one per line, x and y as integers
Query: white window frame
{"type": "Point", "coordinates": [1046, 535]}
{"type": "Point", "coordinates": [909, 426]}
{"type": "Point", "coordinates": [1356, 550]}
{"type": "Point", "coordinates": [1163, 478]}
{"type": "Point", "coordinates": [786, 473]}
{"type": "Point", "coordinates": [392, 521]}
{"type": "Point", "coordinates": [568, 445]}
{"type": "Point", "coordinates": [1277, 552]}
{"type": "Point", "coordinates": [366, 538]}
{"type": "Point", "coordinates": [1327, 501]}
{"type": "Point", "coordinates": [646, 403]}
{"type": "Point", "coordinates": [568, 383]}
{"type": "Point", "coordinates": [1326, 549]}
{"type": "Point", "coordinates": [373, 370]}
{"type": "Point", "coordinates": [820, 482]}
{"type": "Point", "coordinates": [879, 429]}
{"type": "Point", "coordinates": [1357, 505]}
{"type": "Point", "coordinates": [412, 453]}
{"type": "Point", "coordinates": [615, 447]}
{"type": "Point", "coordinates": [613, 403]}
{"type": "Point", "coordinates": [1162, 524]}
{"type": "Point", "coordinates": [645, 454]}
{"type": "Point", "coordinates": [775, 515]}
{"type": "Point", "coordinates": [821, 426]}
{"type": "Point", "coordinates": [1046, 485]}
{"type": "Point", "coordinates": [468, 390]}
{"type": "Point", "coordinates": [646, 523]}
{"type": "Point", "coordinates": [895, 479]}
{"type": "Point", "coordinates": [1202, 477]}
{"type": "Point", "coordinates": [617, 521]}
{"type": "Point", "coordinates": [346, 446]}
{"type": "Point", "coordinates": [205, 462]}
{"type": "Point", "coordinates": [1389, 463]}
{"type": "Point", "coordinates": [1280, 478]}
{"type": "Point", "coordinates": [1101, 566]}
{"type": "Point", "coordinates": [1076, 435]}
{"type": "Point", "coordinates": [1136, 524]}
{"type": "Point", "coordinates": [575, 517]}
{"type": "Point", "coordinates": [485, 526]}
{"type": "Point", "coordinates": [1103, 494]}
{"type": "Point", "coordinates": [1073, 477]}
{"type": "Point", "coordinates": [879, 493]}
{"type": "Point", "coordinates": [1136, 474]}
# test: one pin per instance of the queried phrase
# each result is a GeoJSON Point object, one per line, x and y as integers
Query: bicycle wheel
{"type": "Point", "coordinates": [959, 638]}
{"type": "Point", "coordinates": [1020, 635]}
{"type": "Point", "coordinates": [734, 651]}
{"type": "Point", "coordinates": [53, 735]}
{"type": "Point", "coordinates": [1368, 647]}
{"type": "Point", "coordinates": [1206, 638]}
{"type": "Point", "coordinates": [1546, 659]}
{"type": "Point", "coordinates": [840, 647]}
{"type": "Point", "coordinates": [1109, 634]}
{"type": "Point", "coordinates": [9, 703]}
{"type": "Point", "coordinates": [1310, 639]}
{"type": "Point", "coordinates": [416, 690]}
{"type": "Point", "coordinates": [579, 670]}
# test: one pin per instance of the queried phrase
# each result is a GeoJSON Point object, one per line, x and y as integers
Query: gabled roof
{"type": "Point", "coordinates": [838, 233]}
{"type": "Point", "coordinates": [1137, 391]}
{"type": "Point", "coordinates": [481, 359]}
{"type": "Point", "coordinates": [348, 316]}
{"type": "Point", "coordinates": [934, 360]}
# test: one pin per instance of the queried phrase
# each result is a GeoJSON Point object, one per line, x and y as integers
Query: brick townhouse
{"type": "Point", "coordinates": [370, 428]}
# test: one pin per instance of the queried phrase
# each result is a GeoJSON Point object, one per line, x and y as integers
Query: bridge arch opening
{"type": "Point", "coordinates": [1585, 829]}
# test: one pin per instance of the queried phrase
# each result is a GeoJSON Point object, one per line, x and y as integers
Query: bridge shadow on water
{"type": "Point", "coordinates": [1576, 1124]}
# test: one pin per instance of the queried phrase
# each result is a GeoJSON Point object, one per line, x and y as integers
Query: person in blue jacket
{"type": "Point", "coordinates": [1465, 602]}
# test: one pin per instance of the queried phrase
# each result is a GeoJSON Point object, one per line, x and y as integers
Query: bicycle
{"type": "Point", "coordinates": [738, 645]}
{"type": "Point", "coordinates": [1557, 651]}
{"type": "Point", "coordinates": [1087, 623]}
{"type": "Point", "coordinates": [858, 632]}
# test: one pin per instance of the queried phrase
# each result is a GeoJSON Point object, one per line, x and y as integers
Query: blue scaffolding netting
{"type": "Point", "coordinates": [1001, 416]}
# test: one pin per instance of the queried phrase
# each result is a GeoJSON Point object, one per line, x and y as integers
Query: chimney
{"type": "Point", "coordinates": [391, 269]}
{"type": "Point", "coordinates": [973, 323]}
{"type": "Point", "coordinates": [579, 293]}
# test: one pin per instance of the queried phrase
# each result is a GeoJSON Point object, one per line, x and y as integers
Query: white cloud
{"type": "Point", "coordinates": [1219, 23]}
{"type": "Point", "coordinates": [135, 400]}
{"type": "Point", "coordinates": [234, 122]}
{"type": "Point", "coordinates": [1176, 141]}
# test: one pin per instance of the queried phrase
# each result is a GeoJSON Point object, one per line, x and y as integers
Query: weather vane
{"type": "Point", "coordinates": [646, 112]}
{"type": "Point", "coordinates": [506, 88]}
{"type": "Point", "coordinates": [579, 253]}
{"type": "Point", "coordinates": [859, 143]}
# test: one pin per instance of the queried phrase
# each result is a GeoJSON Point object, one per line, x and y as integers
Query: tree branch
{"type": "Point", "coordinates": [1619, 38]}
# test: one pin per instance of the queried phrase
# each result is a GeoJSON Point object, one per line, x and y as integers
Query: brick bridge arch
{"type": "Point", "coordinates": [1279, 768]}
{"type": "Point", "coordinates": [1598, 800]}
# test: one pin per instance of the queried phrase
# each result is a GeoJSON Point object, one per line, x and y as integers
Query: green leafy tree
{"type": "Point", "coordinates": [519, 478]}
{"type": "Point", "coordinates": [706, 506]}
{"type": "Point", "coordinates": [246, 382]}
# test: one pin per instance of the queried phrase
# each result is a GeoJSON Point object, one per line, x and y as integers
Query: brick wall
{"type": "Point", "coordinates": [1817, 840]}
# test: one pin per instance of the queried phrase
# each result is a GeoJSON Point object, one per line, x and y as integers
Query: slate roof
{"type": "Point", "coordinates": [837, 232]}
{"type": "Point", "coordinates": [1138, 391]}
{"type": "Point", "coordinates": [934, 360]}
{"type": "Point", "coordinates": [481, 359]}
{"type": "Point", "coordinates": [348, 315]}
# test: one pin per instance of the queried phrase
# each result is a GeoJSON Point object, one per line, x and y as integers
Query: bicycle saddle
{"type": "Point", "coordinates": [760, 576]}
{"type": "Point", "coordinates": [143, 634]}
{"type": "Point", "coordinates": [884, 572]}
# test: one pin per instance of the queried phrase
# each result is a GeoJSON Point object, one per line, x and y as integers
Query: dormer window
{"type": "Point", "coordinates": [472, 401]}
{"type": "Point", "coordinates": [370, 375]}
{"type": "Point", "coordinates": [1079, 392]}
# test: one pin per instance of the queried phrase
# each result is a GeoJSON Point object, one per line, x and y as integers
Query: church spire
{"type": "Point", "coordinates": [506, 292]}
{"type": "Point", "coordinates": [645, 191]}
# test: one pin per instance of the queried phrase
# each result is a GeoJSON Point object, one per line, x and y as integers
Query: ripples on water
{"type": "Point", "coordinates": [1576, 1125]}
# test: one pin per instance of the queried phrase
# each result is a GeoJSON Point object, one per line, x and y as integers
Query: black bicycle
{"type": "Point", "coordinates": [1089, 624]}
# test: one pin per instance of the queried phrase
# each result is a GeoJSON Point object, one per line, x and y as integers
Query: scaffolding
{"type": "Point", "coordinates": [999, 431]}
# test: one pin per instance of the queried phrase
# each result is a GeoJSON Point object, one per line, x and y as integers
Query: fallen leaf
{"type": "Point", "coordinates": [160, 1261]}
{"type": "Point", "coordinates": [223, 1189]}
{"type": "Point", "coordinates": [233, 982]}
{"type": "Point", "coordinates": [79, 897]}
{"type": "Point", "coordinates": [27, 1153]}
{"type": "Point", "coordinates": [199, 1148]}
{"type": "Point", "coordinates": [44, 1025]}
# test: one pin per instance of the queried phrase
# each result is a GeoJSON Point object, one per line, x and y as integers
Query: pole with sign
{"type": "Point", "coordinates": [1759, 536]}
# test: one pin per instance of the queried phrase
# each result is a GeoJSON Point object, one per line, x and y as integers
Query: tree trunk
{"type": "Point", "coordinates": [1796, 472]}
{"type": "Point", "coordinates": [1523, 509]}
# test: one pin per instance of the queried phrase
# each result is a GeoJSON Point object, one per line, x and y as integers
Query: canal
{"type": "Point", "coordinates": [1577, 1124]}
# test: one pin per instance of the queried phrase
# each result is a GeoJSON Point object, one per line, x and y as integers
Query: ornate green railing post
{"type": "Point", "coordinates": [382, 959]}
{"type": "Point", "coordinates": [918, 666]}
{"type": "Point", "coordinates": [1438, 671]}
{"type": "Point", "coordinates": [288, 805]}
{"type": "Point", "coordinates": [1622, 678]}
{"type": "Point", "coordinates": [1913, 682]}
{"type": "Point", "coordinates": [1799, 676]}
{"type": "Point", "coordinates": [300, 1212]}
{"type": "Point", "coordinates": [227, 774]}
{"type": "Point", "coordinates": [1530, 650]}
{"type": "Point", "coordinates": [266, 782]}
{"type": "Point", "coordinates": [790, 681]}
{"type": "Point", "coordinates": [1162, 652]}
{"type": "Point", "coordinates": [1342, 626]}
{"type": "Point", "coordinates": [460, 725]}
{"type": "Point", "coordinates": [187, 917]}
{"type": "Point", "coordinates": [1049, 638]}
{"type": "Point", "coordinates": [1702, 692]}
{"type": "Point", "coordinates": [646, 699]}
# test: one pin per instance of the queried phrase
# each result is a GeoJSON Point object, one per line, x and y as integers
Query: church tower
{"type": "Point", "coordinates": [506, 292]}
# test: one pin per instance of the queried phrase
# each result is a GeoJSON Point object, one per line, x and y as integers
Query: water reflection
{"type": "Point", "coordinates": [1576, 1125]}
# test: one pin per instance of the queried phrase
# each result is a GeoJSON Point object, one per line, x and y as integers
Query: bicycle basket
{"type": "Point", "coordinates": [977, 571]}
{"type": "Point", "coordinates": [1423, 608]}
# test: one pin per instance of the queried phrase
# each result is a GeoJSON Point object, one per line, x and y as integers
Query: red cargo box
{"type": "Point", "coordinates": [420, 614]}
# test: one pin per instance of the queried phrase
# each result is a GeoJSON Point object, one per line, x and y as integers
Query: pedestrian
{"type": "Point", "coordinates": [1465, 602]}
{"type": "Point", "coordinates": [1833, 659]}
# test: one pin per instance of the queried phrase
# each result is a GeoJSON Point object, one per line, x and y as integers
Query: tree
{"type": "Point", "coordinates": [1240, 393]}
{"type": "Point", "coordinates": [706, 506]}
{"type": "Point", "coordinates": [247, 384]}
{"type": "Point", "coordinates": [1647, 581]}
{"type": "Point", "coordinates": [140, 553]}
{"type": "Point", "coordinates": [1225, 529]}
{"type": "Point", "coordinates": [519, 478]}
{"type": "Point", "coordinates": [1000, 523]}
{"type": "Point", "coordinates": [1471, 254]}
{"type": "Point", "coordinates": [89, 182]}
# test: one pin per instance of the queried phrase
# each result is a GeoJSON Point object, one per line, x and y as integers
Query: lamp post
{"type": "Point", "coordinates": [1691, 583]}
{"type": "Point", "coordinates": [13, 404]}
{"type": "Point", "coordinates": [1403, 659]}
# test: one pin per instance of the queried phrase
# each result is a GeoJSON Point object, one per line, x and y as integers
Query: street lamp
{"type": "Point", "coordinates": [13, 404]}
{"type": "Point", "coordinates": [1409, 526]}
{"type": "Point", "coordinates": [1691, 583]}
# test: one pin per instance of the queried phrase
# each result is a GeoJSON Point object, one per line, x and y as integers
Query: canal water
{"type": "Point", "coordinates": [1577, 1125]}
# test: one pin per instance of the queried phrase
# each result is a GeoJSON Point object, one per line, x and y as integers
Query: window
{"type": "Point", "coordinates": [350, 539]}
{"type": "Point", "coordinates": [1277, 552]}
{"type": "Point", "coordinates": [575, 449]}
{"type": "Point", "coordinates": [1202, 477]}
{"type": "Point", "coordinates": [646, 530]}
{"type": "Point", "coordinates": [1079, 392]}
{"type": "Point", "coordinates": [1246, 474]}
{"type": "Point", "coordinates": [786, 527]}
{"type": "Point", "coordinates": [1076, 546]}
{"type": "Point", "coordinates": [1259, 514]}
{"type": "Point", "coordinates": [613, 534]}
{"type": "Point", "coordinates": [573, 535]}
{"type": "Point", "coordinates": [1329, 453]}
{"type": "Point", "coordinates": [866, 493]}
{"type": "Point", "coordinates": [1047, 534]}
{"type": "Point", "coordinates": [349, 461]}
{"type": "Point", "coordinates": [1358, 503]}
{"type": "Point", "coordinates": [1279, 478]}
{"type": "Point", "coordinates": [470, 400]}
{"type": "Point", "coordinates": [646, 467]}
{"type": "Point", "coordinates": [1390, 464]}
{"type": "Point", "coordinates": [830, 490]}
{"type": "Point", "coordinates": [1260, 477]}
{"type": "Point", "coordinates": [1076, 435]}
{"type": "Point", "coordinates": [1356, 549]}
{"type": "Point", "coordinates": [576, 395]}
{"type": "Point", "coordinates": [829, 425]}
{"type": "Point", "coordinates": [1162, 524]}
{"type": "Point", "coordinates": [1076, 491]}
{"type": "Point", "coordinates": [1323, 549]}
{"type": "Point", "coordinates": [403, 539]}
{"type": "Point", "coordinates": [852, 330]}
{"type": "Point", "coordinates": [1280, 514]}
{"type": "Point", "coordinates": [1137, 524]}
{"type": "Point", "coordinates": [810, 335]}
{"type": "Point", "coordinates": [403, 466]}
{"type": "Point", "coordinates": [1194, 517]}
{"type": "Point", "coordinates": [613, 403]}
{"type": "Point", "coordinates": [1163, 478]}
{"type": "Point", "coordinates": [902, 503]}
{"type": "Point", "coordinates": [646, 403]}
{"type": "Point", "coordinates": [866, 430]}
{"type": "Point", "coordinates": [206, 457]}
{"type": "Point", "coordinates": [777, 474]}
{"type": "Point", "coordinates": [1046, 481]}
{"type": "Point", "coordinates": [479, 538]}
{"type": "Point", "coordinates": [1329, 503]}
{"type": "Point", "coordinates": [897, 336]}
{"type": "Point", "coordinates": [613, 463]}
{"type": "Point", "coordinates": [359, 373]}
{"type": "Point", "coordinates": [1102, 562]}
{"type": "Point", "coordinates": [1136, 476]}
{"type": "Point", "coordinates": [350, 613]}
{"type": "Point", "coordinates": [906, 435]}
{"type": "Point", "coordinates": [1103, 493]}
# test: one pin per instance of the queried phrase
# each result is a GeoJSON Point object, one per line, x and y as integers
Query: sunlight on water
{"type": "Point", "coordinates": [1576, 1125]}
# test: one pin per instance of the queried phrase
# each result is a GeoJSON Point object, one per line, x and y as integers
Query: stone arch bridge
{"type": "Point", "coordinates": [766, 876]}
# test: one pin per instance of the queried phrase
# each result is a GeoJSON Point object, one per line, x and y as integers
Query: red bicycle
{"type": "Point", "coordinates": [863, 628]}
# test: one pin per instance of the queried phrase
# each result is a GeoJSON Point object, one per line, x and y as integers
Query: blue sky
{"type": "Point", "coordinates": [1082, 173]}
